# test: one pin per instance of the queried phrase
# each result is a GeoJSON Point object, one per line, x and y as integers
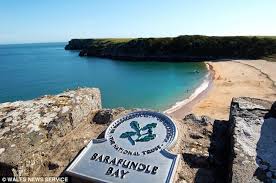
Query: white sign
{"type": "Point", "coordinates": [133, 150]}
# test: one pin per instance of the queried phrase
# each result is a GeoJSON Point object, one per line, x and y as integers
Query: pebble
{"type": "Point", "coordinates": [13, 145]}
{"type": "Point", "coordinates": [65, 109]}
{"type": "Point", "coordinates": [9, 119]}
{"type": "Point", "coordinates": [2, 150]}
{"type": "Point", "coordinates": [245, 162]}
{"type": "Point", "coordinates": [183, 181]}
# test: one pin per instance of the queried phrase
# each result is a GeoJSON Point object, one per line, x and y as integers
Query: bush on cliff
{"type": "Point", "coordinates": [182, 47]}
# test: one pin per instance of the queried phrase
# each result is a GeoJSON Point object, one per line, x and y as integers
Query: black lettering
{"type": "Point", "coordinates": [123, 173]}
{"type": "Point", "coordinates": [106, 159]}
{"type": "Point", "coordinates": [133, 165]}
{"type": "Point", "coordinates": [148, 169]}
{"type": "Point", "coordinates": [113, 162]}
{"type": "Point", "coordinates": [141, 167]}
{"type": "Point", "coordinates": [109, 171]}
{"type": "Point", "coordinates": [112, 140]}
{"type": "Point", "coordinates": [154, 170]}
{"type": "Point", "coordinates": [127, 152]}
{"type": "Point", "coordinates": [119, 162]}
{"type": "Point", "coordinates": [94, 156]}
{"type": "Point", "coordinates": [125, 165]}
{"type": "Point", "coordinates": [116, 147]}
{"type": "Point", "coordinates": [100, 158]}
{"type": "Point", "coordinates": [116, 173]}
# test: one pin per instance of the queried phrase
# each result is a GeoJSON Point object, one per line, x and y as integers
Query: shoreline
{"type": "Point", "coordinates": [185, 106]}
{"type": "Point", "coordinates": [230, 79]}
{"type": "Point", "coordinates": [237, 78]}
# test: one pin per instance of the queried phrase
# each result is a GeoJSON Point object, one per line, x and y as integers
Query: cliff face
{"type": "Point", "coordinates": [79, 44]}
{"type": "Point", "coordinates": [182, 48]}
{"type": "Point", "coordinates": [41, 137]}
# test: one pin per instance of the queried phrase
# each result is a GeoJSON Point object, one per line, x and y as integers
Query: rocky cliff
{"type": "Point", "coordinates": [182, 48]}
{"type": "Point", "coordinates": [41, 137]}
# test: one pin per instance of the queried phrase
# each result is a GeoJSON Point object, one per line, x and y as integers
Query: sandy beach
{"type": "Point", "coordinates": [232, 78]}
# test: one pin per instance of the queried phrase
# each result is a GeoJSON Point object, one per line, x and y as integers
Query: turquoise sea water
{"type": "Point", "coordinates": [31, 70]}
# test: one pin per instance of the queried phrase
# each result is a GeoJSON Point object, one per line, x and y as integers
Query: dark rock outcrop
{"type": "Point", "coordinates": [103, 117]}
{"type": "Point", "coordinates": [202, 120]}
{"type": "Point", "coordinates": [181, 48]}
{"type": "Point", "coordinates": [106, 116]}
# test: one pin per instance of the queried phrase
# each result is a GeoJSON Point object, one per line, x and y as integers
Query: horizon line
{"type": "Point", "coordinates": [42, 42]}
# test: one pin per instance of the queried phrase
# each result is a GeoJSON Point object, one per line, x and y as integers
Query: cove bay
{"type": "Point", "coordinates": [28, 71]}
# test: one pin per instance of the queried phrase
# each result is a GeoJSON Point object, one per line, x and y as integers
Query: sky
{"type": "Point", "coordinates": [31, 21]}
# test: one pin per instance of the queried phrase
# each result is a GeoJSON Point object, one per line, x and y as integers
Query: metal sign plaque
{"type": "Point", "coordinates": [134, 150]}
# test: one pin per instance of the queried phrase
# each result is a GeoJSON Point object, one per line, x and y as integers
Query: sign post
{"type": "Point", "coordinates": [134, 150]}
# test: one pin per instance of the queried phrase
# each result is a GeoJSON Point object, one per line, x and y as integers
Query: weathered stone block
{"type": "Point", "coordinates": [253, 141]}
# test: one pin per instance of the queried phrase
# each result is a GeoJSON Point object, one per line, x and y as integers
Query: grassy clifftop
{"type": "Point", "coordinates": [79, 44]}
{"type": "Point", "coordinates": [178, 48]}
